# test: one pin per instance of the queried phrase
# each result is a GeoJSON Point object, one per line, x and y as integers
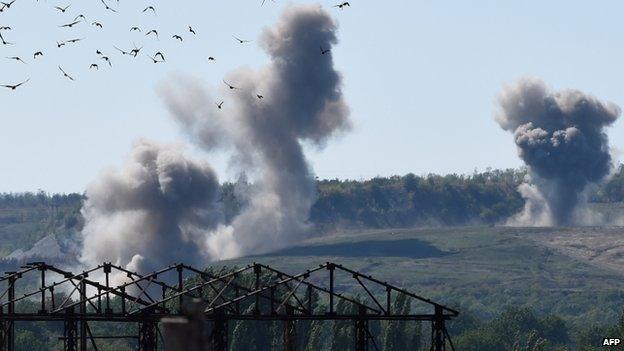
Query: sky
{"type": "Point", "coordinates": [421, 79]}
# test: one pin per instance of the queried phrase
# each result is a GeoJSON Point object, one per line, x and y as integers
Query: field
{"type": "Point", "coordinates": [572, 272]}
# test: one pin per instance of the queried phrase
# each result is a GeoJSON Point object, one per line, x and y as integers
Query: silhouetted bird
{"type": "Point", "coordinates": [260, 97]}
{"type": "Point", "coordinates": [344, 4]}
{"type": "Point", "coordinates": [178, 37]}
{"type": "Point", "coordinates": [105, 58]}
{"type": "Point", "coordinates": [38, 53]}
{"type": "Point", "coordinates": [135, 29]}
{"type": "Point", "coordinates": [152, 31]}
{"type": "Point", "coordinates": [16, 58]}
{"type": "Point", "coordinates": [97, 24]}
{"type": "Point", "coordinates": [219, 105]}
{"type": "Point", "coordinates": [73, 41]}
{"type": "Point", "coordinates": [154, 59]}
{"type": "Point", "coordinates": [211, 58]}
{"type": "Point", "coordinates": [162, 57]}
{"type": "Point", "coordinates": [65, 74]}
{"type": "Point", "coordinates": [13, 87]}
{"type": "Point", "coordinates": [98, 52]}
{"type": "Point", "coordinates": [7, 4]}
{"type": "Point", "coordinates": [122, 51]}
{"type": "Point", "coordinates": [4, 42]}
{"type": "Point", "coordinates": [108, 7]}
{"type": "Point", "coordinates": [5, 28]}
{"type": "Point", "coordinates": [323, 52]}
{"type": "Point", "coordinates": [229, 85]}
{"type": "Point", "coordinates": [69, 25]}
{"type": "Point", "coordinates": [191, 30]}
{"type": "Point", "coordinates": [58, 45]}
{"type": "Point", "coordinates": [242, 41]}
{"type": "Point", "coordinates": [150, 8]}
{"type": "Point", "coordinates": [93, 65]}
{"type": "Point", "coordinates": [62, 9]}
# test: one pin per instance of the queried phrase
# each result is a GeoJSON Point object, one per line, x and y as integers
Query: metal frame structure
{"type": "Point", "coordinates": [255, 292]}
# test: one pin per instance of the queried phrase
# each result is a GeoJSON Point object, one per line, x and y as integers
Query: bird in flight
{"type": "Point", "coordinates": [38, 53]}
{"type": "Point", "coordinates": [108, 7]}
{"type": "Point", "coordinates": [80, 16]}
{"type": "Point", "coordinates": [134, 52]}
{"type": "Point", "coordinates": [154, 59]}
{"type": "Point", "coordinates": [211, 58]}
{"type": "Point", "coordinates": [13, 87]}
{"type": "Point", "coordinates": [343, 5]}
{"type": "Point", "coordinates": [323, 51]}
{"type": "Point", "coordinates": [150, 8]}
{"type": "Point", "coordinates": [229, 85]}
{"type": "Point", "coordinates": [177, 37]}
{"type": "Point", "coordinates": [241, 41]}
{"type": "Point", "coordinates": [135, 29]}
{"type": "Point", "coordinates": [62, 9]}
{"type": "Point", "coordinates": [16, 58]}
{"type": "Point", "coordinates": [260, 97]}
{"type": "Point", "coordinates": [58, 45]}
{"type": "Point", "coordinates": [6, 5]}
{"type": "Point", "coordinates": [93, 65]}
{"type": "Point", "coordinates": [162, 57]}
{"type": "Point", "coordinates": [122, 51]}
{"type": "Point", "coordinates": [69, 25]}
{"type": "Point", "coordinates": [73, 41]}
{"type": "Point", "coordinates": [97, 24]}
{"type": "Point", "coordinates": [5, 28]}
{"type": "Point", "coordinates": [152, 31]}
{"type": "Point", "coordinates": [98, 52]}
{"type": "Point", "coordinates": [105, 58]}
{"type": "Point", "coordinates": [219, 105]}
{"type": "Point", "coordinates": [192, 30]}
{"type": "Point", "coordinates": [4, 42]}
{"type": "Point", "coordinates": [65, 74]}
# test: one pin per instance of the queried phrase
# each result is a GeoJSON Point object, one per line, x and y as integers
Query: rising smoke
{"type": "Point", "coordinates": [155, 209]}
{"type": "Point", "coordinates": [161, 206]}
{"type": "Point", "coordinates": [302, 102]}
{"type": "Point", "coordinates": [561, 138]}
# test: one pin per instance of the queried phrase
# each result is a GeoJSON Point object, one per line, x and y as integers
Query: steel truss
{"type": "Point", "coordinates": [255, 292]}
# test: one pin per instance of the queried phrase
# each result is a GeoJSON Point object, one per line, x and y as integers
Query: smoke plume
{"type": "Point", "coordinates": [155, 209]}
{"type": "Point", "coordinates": [162, 207]}
{"type": "Point", "coordinates": [296, 98]}
{"type": "Point", "coordinates": [561, 138]}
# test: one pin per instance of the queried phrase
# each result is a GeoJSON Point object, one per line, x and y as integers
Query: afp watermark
{"type": "Point", "coordinates": [611, 341]}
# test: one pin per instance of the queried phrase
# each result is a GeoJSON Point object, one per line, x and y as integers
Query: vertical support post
{"type": "Point", "coordinates": [83, 312]}
{"type": "Point", "coordinates": [439, 343]}
{"type": "Point", "coordinates": [123, 299]}
{"type": "Point", "coordinates": [10, 325]}
{"type": "Point", "coordinates": [107, 271]}
{"type": "Point", "coordinates": [388, 301]}
{"type": "Point", "coordinates": [180, 269]}
{"type": "Point", "coordinates": [289, 336]}
{"type": "Point", "coordinates": [257, 271]}
{"type": "Point", "coordinates": [147, 336]}
{"type": "Point", "coordinates": [310, 312]}
{"type": "Point", "coordinates": [361, 328]}
{"type": "Point", "coordinates": [220, 332]}
{"type": "Point", "coordinates": [42, 309]}
{"type": "Point", "coordinates": [69, 334]}
{"type": "Point", "coordinates": [331, 287]}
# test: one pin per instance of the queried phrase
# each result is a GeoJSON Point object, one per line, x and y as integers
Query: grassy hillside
{"type": "Point", "coordinates": [480, 269]}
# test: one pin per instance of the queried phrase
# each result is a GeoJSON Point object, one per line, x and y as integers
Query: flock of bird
{"type": "Point", "coordinates": [156, 58]}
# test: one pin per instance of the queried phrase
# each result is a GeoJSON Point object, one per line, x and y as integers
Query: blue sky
{"type": "Point", "coordinates": [421, 78]}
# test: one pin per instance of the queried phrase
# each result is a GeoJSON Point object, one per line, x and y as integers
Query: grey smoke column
{"type": "Point", "coordinates": [152, 212]}
{"type": "Point", "coordinates": [302, 102]}
{"type": "Point", "coordinates": [561, 138]}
